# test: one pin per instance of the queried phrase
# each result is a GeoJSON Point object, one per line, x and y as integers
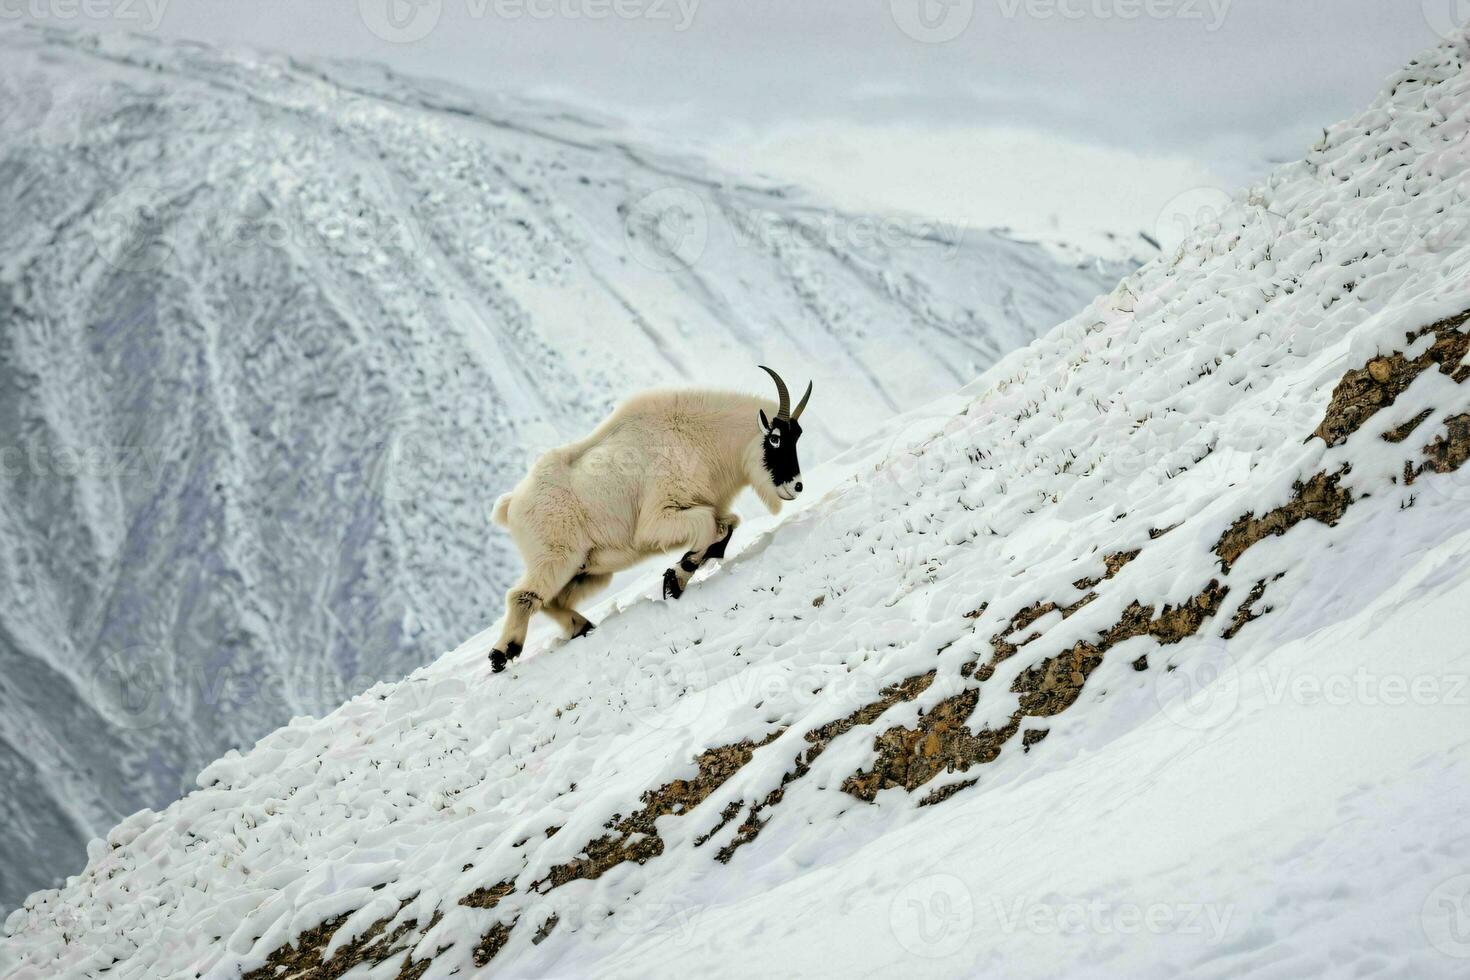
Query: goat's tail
{"type": "Point", "coordinates": [501, 514]}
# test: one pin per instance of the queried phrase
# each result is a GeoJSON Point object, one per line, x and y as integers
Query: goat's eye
{"type": "Point", "coordinates": [775, 440]}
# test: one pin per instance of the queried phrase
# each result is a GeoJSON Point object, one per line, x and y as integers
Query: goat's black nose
{"type": "Point", "coordinates": [798, 488]}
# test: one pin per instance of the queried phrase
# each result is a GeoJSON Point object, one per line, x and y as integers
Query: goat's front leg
{"type": "Point", "coordinates": [692, 528]}
{"type": "Point", "coordinates": [725, 526]}
{"type": "Point", "coordinates": [710, 543]}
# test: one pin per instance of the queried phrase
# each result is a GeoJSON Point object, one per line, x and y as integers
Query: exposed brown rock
{"type": "Point", "coordinates": [412, 969]}
{"type": "Point", "coordinates": [941, 740]}
{"type": "Point", "coordinates": [945, 792]}
{"type": "Point", "coordinates": [1029, 615]}
{"type": "Point", "coordinates": [1112, 564]}
{"type": "Point", "coordinates": [1321, 498]}
{"type": "Point", "coordinates": [1003, 648]}
{"type": "Point", "coordinates": [492, 942]}
{"type": "Point", "coordinates": [488, 898]}
{"type": "Point", "coordinates": [1052, 686]}
{"type": "Point", "coordinates": [1448, 452]}
{"type": "Point", "coordinates": [302, 959]}
{"type": "Point", "coordinates": [1363, 391]}
{"type": "Point", "coordinates": [1401, 432]}
{"type": "Point", "coordinates": [1246, 611]}
{"type": "Point", "coordinates": [545, 929]}
{"type": "Point", "coordinates": [1175, 623]}
{"type": "Point", "coordinates": [731, 811]}
{"type": "Point", "coordinates": [636, 838]}
{"type": "Point", "coordinates": [818, 739]}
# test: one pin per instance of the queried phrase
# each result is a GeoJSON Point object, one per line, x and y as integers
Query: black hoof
{"type": "Point", "coordinates": [587, 627]}
{"type": "Point", "coordinates": [672, 588]}
{"type": "Point", "coordinates": [499, 658]}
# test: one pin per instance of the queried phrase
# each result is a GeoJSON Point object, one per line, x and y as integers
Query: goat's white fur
{"type": "Point", "coordinates": [659, 474]}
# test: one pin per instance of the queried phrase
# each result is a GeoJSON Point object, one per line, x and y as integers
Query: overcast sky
{"type": "Point", "coordinates": [1025, 112]}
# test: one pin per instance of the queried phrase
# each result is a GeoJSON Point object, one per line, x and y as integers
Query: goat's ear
{"type": "Point", "coordinates": [765, 422]}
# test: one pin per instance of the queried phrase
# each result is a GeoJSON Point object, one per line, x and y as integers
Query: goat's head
{"type": "Point", "coordinates": [780, 436]}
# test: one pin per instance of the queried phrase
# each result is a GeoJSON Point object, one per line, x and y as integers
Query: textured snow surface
{"type": "Point", "coordinates": [274, 335]}
{"type": "Point", "coordinates": [1286, 800]}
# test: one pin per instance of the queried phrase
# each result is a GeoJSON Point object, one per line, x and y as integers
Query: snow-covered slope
{"type": "Point", "coordinates": [274, 335]}
{"type": "Point", "coordinates": [1142, 656]}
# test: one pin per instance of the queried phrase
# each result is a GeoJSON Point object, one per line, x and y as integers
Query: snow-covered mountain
{"type": "Point", "coordinates": [273, 336]}
{"type": "Point", "coordinates": [1140, 656]}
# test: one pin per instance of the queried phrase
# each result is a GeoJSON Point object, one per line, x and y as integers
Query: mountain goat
{"type": "Point", "coordinates": [660, 473]}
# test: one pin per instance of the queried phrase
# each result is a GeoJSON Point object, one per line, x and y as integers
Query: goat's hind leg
{"type": "Point", "coordinates": [520, 605]}
{"type": "Point", "coordinates": [544, 578]}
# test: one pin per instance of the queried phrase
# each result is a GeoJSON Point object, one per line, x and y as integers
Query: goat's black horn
{"type": "Point", "coordinates": [801, 405]}
{"type": "Point", "coordinates": [784, 411]}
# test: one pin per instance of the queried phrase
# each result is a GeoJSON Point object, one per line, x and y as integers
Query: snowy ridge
{"type": "Point", "coordinates": [274, 335]}
{"type": "Point", "coordinates": [1039, 651]}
